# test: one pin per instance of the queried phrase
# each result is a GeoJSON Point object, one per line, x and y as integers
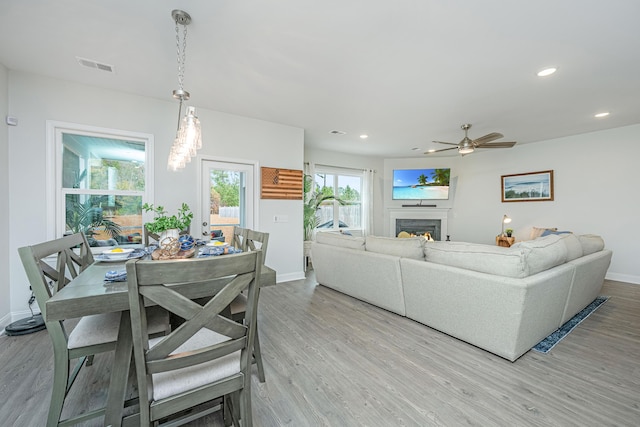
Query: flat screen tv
{"type": "Point", "coordinates": [421, 184]}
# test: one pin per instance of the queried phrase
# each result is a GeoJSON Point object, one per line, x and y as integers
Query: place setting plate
{"type": "Point", "coordinates": [217, 244]}
{"type": "Point", "coordinates": [125, 255]}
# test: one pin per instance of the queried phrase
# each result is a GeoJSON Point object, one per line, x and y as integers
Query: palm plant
{"type": "Point", "coordinates": [87, 217]}
{"type": "Point", "coordinates": [313, 200]}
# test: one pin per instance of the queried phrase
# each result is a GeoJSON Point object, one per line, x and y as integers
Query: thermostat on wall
{"type": "Point", "coordinates": [12, 121]}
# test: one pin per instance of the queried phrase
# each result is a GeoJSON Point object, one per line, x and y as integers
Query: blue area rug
{"type": "Point", "coordinates": [549, 342]}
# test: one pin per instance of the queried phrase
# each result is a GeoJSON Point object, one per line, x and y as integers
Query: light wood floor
{"type": "Point", "coordinates": [331, 360]}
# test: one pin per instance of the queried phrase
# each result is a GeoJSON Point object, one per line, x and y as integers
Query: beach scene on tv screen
{"type": "Point", "coordinates": [421, 184]}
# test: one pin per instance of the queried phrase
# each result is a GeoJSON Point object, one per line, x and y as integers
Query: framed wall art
{"type": "Point", "coordinates": [281, 184]}
{"type": "Point", "coordinates": [528, 187]}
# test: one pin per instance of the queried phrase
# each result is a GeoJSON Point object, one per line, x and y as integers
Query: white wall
{"type": "Point", "coordinates": [596, 191]}
{"type": "Point", "coordinates": [34, 99]}
{"type": "Point", "coordinates": [5, 289]}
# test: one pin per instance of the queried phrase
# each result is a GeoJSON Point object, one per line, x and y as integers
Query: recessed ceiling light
{"type": "Point", "coordinates": [603, 114]}
{"type": "Point", "coordinates": [431, 150]}
{"type": "Point", "coordinates": [338, 132]}
{"type": "Point", "coordinates": [364, 136]}
{"type": "Point", "coordinates": [547, 72]}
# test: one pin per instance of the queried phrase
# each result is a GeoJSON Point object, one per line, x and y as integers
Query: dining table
{"type": "Point", "coordinates": [89, 293]}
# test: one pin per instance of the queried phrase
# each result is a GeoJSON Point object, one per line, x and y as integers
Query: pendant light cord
{"type": "Point", "coordinates": [181, 53]}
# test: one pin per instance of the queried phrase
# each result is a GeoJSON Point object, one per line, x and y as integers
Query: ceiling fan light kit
{"type": "Point", "coordinates": [468, 145]}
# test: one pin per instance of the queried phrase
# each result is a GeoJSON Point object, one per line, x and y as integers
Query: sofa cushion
{"type": "Point", "coordinates": [542, 253]}
{"type": "Point", "coordinates": [591, 243]}
{"type": "Point", "coordinates": [574, 247]}
{"type": "Point", "coordinates": [337, 239]}
{"type": "Point", "coordinates": [411, 247]}
{"type": "Point", "coordinates": [478, 257]}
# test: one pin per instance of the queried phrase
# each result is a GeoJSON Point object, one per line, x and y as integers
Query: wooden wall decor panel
{"type": "Point", "coordinates": [281, 184]}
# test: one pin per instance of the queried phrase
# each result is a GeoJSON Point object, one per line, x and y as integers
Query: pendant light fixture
{"type": "Point", "coordinates": [188, 136]}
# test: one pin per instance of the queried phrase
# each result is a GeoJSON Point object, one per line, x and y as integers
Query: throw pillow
{"type": "Point", "coordinates": [537, 231]}
{"type": "Point", "coordinates": [548, 232]}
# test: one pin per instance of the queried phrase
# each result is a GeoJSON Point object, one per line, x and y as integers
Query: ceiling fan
{"type": "Point", "coordinates": [467, 145]}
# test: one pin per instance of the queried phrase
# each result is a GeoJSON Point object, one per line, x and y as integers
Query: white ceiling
{"type": "Point", "coordinates": [405, 72]}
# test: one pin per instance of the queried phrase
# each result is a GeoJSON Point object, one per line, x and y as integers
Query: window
{"type": "Point", "coordinates": [346, 185]}
{"type": "Point", "coordinates": [101, 180]}
{"type": "Point", "coordinates": [227, 197]}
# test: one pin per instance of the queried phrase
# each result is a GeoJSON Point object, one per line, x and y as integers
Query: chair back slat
{"type": "Point", "coordinates": [73, 256]}
{"type": "Point", "coordinates": [251, 240]}
{"type": "Point", "coordinates": [254, 237]}
{"type": "Point", "coordinates": [239, 237]}
{"type": "Point", "coordinates": [196, 357]}
{"type": "Point", "coordinates": [196, 316]}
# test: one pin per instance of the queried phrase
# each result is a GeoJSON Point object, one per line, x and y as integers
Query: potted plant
{"type": "Point", "coordinates": [168, 225]}
{"type": "Point", "coordinates": [313, 200]}
{"type": "Point", "coordinates": [88, 218]}
{"type": "Point", "coordinates": [509, 231]}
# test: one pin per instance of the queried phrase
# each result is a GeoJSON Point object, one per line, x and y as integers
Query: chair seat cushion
{"type": "Point", "coordinates": [103, 328]}
{"type": "Point", "coordinates": [95, 329]}
{"type": "Point", "coordinates": [167, 384]}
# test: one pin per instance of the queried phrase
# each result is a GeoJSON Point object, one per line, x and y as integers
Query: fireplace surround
{"type": "Point", "coordinates": [419, 226]}
{"type": "Point", "coordinates": [418, 219]}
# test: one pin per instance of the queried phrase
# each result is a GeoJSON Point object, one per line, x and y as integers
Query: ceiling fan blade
{"type": "Point", "coordinates": [444, 149]}
{"type": "Point", "coordinates": [506, 144]}
{"type": "Point", "coordinates": [487, 138]}
{"type": "Point", "coordinates": [448, 143]}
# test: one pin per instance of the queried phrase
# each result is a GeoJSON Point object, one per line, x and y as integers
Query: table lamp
{"type": "Point", "coordinates": [505, 220]}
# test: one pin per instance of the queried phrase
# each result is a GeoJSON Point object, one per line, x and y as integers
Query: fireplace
{"type": "Point", "coordinates": [418, 227]}
{"type": "Point", "coordinates": [417, 221]}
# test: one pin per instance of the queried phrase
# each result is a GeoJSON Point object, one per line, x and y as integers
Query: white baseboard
{"type": "Point", "coordinates": [289, 277]}
{"type": "Point", "coordinates": [4, 322]}
{"type": "Point", "coordinates": [628, 278]}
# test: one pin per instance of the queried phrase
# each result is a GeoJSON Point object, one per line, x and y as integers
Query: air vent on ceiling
{"type": "Point", "coordinates": [90, 63]}
{"type": "Point", "coordinates": [338, 132]}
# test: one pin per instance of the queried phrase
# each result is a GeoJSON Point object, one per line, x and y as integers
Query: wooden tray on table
{"type": "Point", "coordinates": [159, 254]}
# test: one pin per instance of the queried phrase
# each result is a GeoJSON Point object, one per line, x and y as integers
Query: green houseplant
{"type": "Point", "coordinates": [89, 217]}
{"type": "Point", "coordinates": [313, 199]}
{"type": "Point", "coordinates": [162, 221]}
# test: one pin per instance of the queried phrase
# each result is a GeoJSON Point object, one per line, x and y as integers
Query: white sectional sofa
{"type": "Point", "coordinates": [504, 300]}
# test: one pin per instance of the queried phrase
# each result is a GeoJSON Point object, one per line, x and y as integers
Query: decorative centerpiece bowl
{"type": "Point", "coordinates": [118, 253]}
{"type": "Point", "coordinates": [186, 242]}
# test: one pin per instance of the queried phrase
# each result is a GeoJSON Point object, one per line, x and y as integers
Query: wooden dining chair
{"type": "Point", "coordinates": [70, 256]}
{"type": "Point", "coordinates": [209, 355]}
{"type": "Point", "coordinates": [249, 240]}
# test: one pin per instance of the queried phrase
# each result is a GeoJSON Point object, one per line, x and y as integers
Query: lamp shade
{"type": "Point", "coordinates": [505, 220]}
